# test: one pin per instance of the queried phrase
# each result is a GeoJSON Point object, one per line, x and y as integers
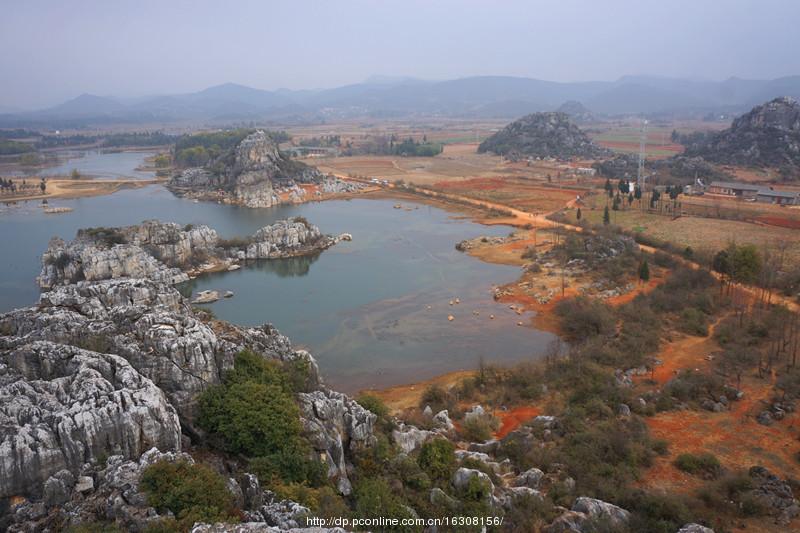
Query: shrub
{"type": "Point", "coordinates": [436, 397]}
{"type": "Point", "coordinates": [582, 318]}
{"type": "Point", "coordinates": [373, 404]}
{"type": "Point", "coordinates": [192, 492]}
{"type": "Point", "coordinates": [375, 499]}
{"type": "Point", "coordinates": [436, 457]}
{"type": "Point", "coordinates": [693, 322]}
{"type": "Point", "coordinates": [253, 413]}
{"type": "Point", "coordinates": [479, 428]}
{"type": "Point", "coordinates": [704, 464]}
{"type": "Point", "coordinates": [291, 466]}
{"type": "Point", "coordinates": [239, 243]}
{"type": "Point", "coordinates": [250, 418]}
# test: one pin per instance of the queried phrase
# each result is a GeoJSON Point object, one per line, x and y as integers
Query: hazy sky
{"type": "Point", "coordinates": [55, 50]}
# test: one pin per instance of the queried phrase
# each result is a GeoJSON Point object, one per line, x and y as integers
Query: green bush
{"type": "Point", "coordinates": [437, 458]}
{"type": "Point", "coordinates": [374, 498]}
{"type": "Point", "coordinates": [192, 492]}
{"type": "Point", "coordinates": [479, 428]}
{"type": "Point", "coordinates": [250, 418]}
{"type": "Point", "coordinates": [704, 464]}
{"type": "Point", "coordinates": [290, 466]}
{"type": "Point", "coordinates": [253, 413]}
{"type": "Point", "coordinates": [374, 404]}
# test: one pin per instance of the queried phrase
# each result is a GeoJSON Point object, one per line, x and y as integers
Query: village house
{"type": "Point", "coordinates": [749, 191]}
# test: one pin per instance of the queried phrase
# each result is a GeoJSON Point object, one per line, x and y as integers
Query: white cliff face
{"type": "Point", "coordinates": [171, 243]}
{"type": "Point", "coordinates": [163, 252]}
{"type": "Point", "coordinates": [336, 424]}
{"type": "Point", "coordinates": [255, 174]}
{"type": "Point", "coordinates": [282, 239]}
{"type": "Point", "coordinates": [62, 406]}
{"type": "Point", "coordinates": [153, 332]}
{"type": "Point", "coordinates": [64, 264]}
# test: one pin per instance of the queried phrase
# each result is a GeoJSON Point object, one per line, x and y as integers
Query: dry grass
{"type": "Point", "coordinates": [702, 234]}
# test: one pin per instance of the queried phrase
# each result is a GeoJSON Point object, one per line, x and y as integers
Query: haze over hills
{"type": "Point", "coordinates": [385, 96]}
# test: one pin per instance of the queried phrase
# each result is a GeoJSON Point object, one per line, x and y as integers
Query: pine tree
{"type": "Point", "coordinates": [606, 217]}
{"type": "Point", "coordinates": [644, 271]}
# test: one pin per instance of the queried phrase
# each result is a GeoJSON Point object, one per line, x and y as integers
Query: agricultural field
{"type": "Point", "coordinates": [701, 234]}
{"type": "Point", "coordinates": [624, 136]}
{"type": "Point", "coordinates": [525, 194]}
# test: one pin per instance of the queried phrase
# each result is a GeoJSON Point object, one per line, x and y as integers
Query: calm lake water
{"type": "Point", "coordinates": [361, 307]}
{"type": "Point", "coordinates": [95, 163]}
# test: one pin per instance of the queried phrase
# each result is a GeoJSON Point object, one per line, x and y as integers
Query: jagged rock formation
{"type": "Point", "coordinates": [584, 510]}
{"type": "Point", "coordinates": [62, 406]}
{"type": "Point", "coordinates": [153, 331]}
{"type": "Point", "coordinates": [110, 493]}
{"type": "Point", "coordinates": [543, 135]}
{"type": "Point", "coordinates": [336, 424]}
{"type": "Point", "coordinates": [766, 136]}
{"type": "Point", "coordinates": [254, 174]}
{"type": "Point", "coordinates": [165, 251]}
{"type": "Point", "coordinates": [577, 111]}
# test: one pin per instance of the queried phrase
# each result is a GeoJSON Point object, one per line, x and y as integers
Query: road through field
{"type": "Point", "coordinates": [520, 217]}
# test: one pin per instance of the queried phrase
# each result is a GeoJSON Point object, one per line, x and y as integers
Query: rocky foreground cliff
{"type": "Point", "coordinates": [255, 173]}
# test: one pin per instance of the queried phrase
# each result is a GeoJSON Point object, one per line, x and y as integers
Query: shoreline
{"type": "Point", "coordinates": [69, 189]}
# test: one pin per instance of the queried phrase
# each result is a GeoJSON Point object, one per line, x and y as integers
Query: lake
{"type": "Point", "coordinates": [95, 163]}
{"type": "Point", "coordinates": [373, 311]}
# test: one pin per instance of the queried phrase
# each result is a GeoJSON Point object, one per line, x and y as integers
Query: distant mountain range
{"type": "Point", "coordinates": [475, 97]}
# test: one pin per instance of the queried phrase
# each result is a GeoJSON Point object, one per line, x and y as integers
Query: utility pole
{"type": "Point", "coordinates": [640, 177]}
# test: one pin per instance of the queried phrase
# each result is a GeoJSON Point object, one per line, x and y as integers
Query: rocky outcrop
{"type": "Point", "coordinates": [153, 328]}
{"type": "Point", "coordinates": [63, 406]}
{"type": "Point", "coordinates": [157, 356]}
{"type": "Point", "coordinates": [254, 173]}
{"type": "Point", "coordinates": [165, 252]}
{"type": "Point", "coordinates": [768, 135]}
{"type": "Point", "coordinates": [63, 264]}
{"type": "Point", "coordinates": [336, 425]}
{"type": "Point", "coordinates": [286, 238]}
{"type": "Point", "coordinates": [585, 511]}
{"type": "Point", "coordinates": [695, 528]}
{"type": "Point", "coordinates": [775, 495]}
{"type": "Point", "coordinates": [110, 494]}
{"type": "Point", "coordinates": [255, 527]}
{"type": "Point", "coordinates": [543, 135]}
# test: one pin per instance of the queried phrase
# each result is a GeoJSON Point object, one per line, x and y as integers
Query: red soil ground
{"type": "Point", "coordinates": [512, 419]}
{"type": "Point", "coordinates": [778, 221]}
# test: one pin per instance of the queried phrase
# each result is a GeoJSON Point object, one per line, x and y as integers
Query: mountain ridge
{"type": "Point", "coordinates": [470, 97]}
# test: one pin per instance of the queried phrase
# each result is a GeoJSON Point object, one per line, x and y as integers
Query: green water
{"type": "Point", "coordinates": [361, 307]}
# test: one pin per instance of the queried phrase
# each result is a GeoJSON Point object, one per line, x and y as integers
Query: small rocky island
{"type": "Point", "coordinates": [255, 173]}
{"type": "Point", "coordinates": [170, 253]}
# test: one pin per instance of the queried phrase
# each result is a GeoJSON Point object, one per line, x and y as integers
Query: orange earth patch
{"type": "Point", "coordinates": [779, 221]}
{"type": "Point", "coordinates": [511, 420]}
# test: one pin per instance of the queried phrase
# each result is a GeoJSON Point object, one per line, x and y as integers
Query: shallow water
{"type": "Point", "coordinates": [95, 163]}
{"type": "Point", "coordinates": [360, 307]}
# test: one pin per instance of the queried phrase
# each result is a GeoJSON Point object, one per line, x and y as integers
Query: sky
{"type": "Point", "coordinates": [56, 50]}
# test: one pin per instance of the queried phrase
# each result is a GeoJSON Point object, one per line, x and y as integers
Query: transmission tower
{"type": "Point", "coordinates": [640, 177]}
